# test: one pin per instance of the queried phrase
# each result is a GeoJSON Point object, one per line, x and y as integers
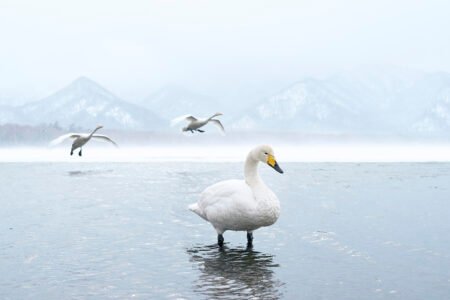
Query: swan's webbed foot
{"type": "Point", "coordinates": [220, 240]}
{"type": "Point", "coordinates": [199, 130]}
{"type": "Point", "coordinates": [249, 239]}
{"type": "Point", "coordinates": [79, 153]}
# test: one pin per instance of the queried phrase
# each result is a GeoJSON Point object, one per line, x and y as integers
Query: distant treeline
{"type": "Point", "coordinates": [17, 135]}
{"type": "Point", "coordinates": [28, 135]}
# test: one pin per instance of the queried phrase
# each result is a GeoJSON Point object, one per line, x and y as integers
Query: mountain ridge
{"type": "Point", "coordinates": [372, 102]}
{"type": "Point", "coordinates": [354, 103]}
{"type": "Point", "coordinates": [85, 102]}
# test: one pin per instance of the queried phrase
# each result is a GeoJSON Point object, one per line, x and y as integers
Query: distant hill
{"type": "Point", "coordinates": [371, 101]}
{"type": "Point", "coordinates": [435, 117]}
{"type": "Point", "coordinates": [85, 103]}
{"type": "Point", "coordinates": [9, 114]}
{"type": "Point", "coordinates": [378, 101]}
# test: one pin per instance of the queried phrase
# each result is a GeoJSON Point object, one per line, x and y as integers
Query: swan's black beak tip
{"type": "Point", "coordinates": [278, 169]}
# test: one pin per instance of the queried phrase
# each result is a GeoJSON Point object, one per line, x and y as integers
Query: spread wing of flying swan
{"type": "Point", "coordinates": [64, 137]}
{"type": "Point", "coordinates": [218, 124]}
{"type": "Point", "coordinates": [182, 118]}
{"type": "Point", "coordinates": [105, 138]}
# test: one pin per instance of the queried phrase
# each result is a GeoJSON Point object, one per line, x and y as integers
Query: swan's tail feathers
{"type": "Point", "coordinates": [195, 208]}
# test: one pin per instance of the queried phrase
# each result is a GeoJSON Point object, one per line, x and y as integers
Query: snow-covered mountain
{"type": "Point", "coordinates": [392, 101]}
{"type": "Point", "coordinates": [308, 105]}
{"type": "Point", "coordinates": [434, 119]}
{"type": "Point", "coordinates": [172, 101]}
{"type": "Point", "coordinates": [84, 103]}
{"type": "Point", "coordinates": [375, 101]}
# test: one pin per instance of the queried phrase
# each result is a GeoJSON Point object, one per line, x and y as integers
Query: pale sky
{"type": "Point", "coordinates": [227, 49]}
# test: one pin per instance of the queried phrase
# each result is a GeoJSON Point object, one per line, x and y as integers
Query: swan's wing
{"type": "Point", "coordinates": [226, 200]}
{"type": "Point", "coordinates": [218, 124]}
{"type": "Point", "coordinates": [182, 118]}
{"type": "Point", "coordinates": [105, 138]}
{"type": "Point", "coordinates": [62, 138]}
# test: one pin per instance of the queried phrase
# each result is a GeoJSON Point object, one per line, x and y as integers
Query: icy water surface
{"type": "Point", "coordinates": [123, 231]}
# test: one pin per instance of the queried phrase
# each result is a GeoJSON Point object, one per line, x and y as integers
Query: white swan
{"type": "Point", "coordinates": [81, 139]}
{"type": "Point", "coordinates": [195, 124]}
{"type": "Point", "coordinates": [241, 205]}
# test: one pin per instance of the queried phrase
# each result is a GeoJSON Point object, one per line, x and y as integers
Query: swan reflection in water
{"type": "Point", "coordinates": [88, 172]}
{"type": "Point", "coordinates": [235, 273]}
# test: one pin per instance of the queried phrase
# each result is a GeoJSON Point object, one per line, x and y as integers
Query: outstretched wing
{"type": "Point", "coordinates": [218, 124]}
{"type": "Point", "coordinates": [105, 138]}
{"type": "Point", "coordinates": [64, 137]}
{"type": "Point", "coordinates": [182, 118]}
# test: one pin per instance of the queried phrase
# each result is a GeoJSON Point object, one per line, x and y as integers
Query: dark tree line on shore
{"type": "Point", "coordinates": [18, 135]}
{"type": "Point", "coordinates": [41, 135]}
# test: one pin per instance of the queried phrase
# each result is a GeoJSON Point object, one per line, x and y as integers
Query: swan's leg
{"type": "Point", "coordinates": [220, 240]}
{"type": "Point", "coordinates": [199, 130]}
{"type": "Point", "coordinates": [71, 151]}
{"type": "Point", "coordinates": [249, 239]}
{"type": "Point", "coordinates": [79, 153]}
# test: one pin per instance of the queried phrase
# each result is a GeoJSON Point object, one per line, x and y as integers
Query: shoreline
{"type": "Point", "coordinates": [357, 153]}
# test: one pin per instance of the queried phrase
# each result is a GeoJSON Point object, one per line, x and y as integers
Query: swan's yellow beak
{"type": "Point", "coordinates": [273, 163]}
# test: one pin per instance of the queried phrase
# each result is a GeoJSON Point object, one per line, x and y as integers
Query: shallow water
{"type": "Point", "coordinates": [122, 230]}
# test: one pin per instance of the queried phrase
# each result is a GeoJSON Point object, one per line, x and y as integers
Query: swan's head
{"type": "Point", "coordinates": [99, 126]}
{"type": "Point", "coordinates": [265, 154]}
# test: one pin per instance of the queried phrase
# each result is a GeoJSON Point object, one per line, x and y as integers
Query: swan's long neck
{"type": "Point", "coordinates": [251, 171]}
{"type": "Point", "coordinates": [94, 131]}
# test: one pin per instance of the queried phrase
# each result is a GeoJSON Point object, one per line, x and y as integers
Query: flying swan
{"type": "Point", "coordinates": [195, 124]}
{"type": "Point", "coordinates": [241, 205]}
{"type": "Point", "coordinates": [81, 139]}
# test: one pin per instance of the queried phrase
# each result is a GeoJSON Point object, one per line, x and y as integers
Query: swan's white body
{"type": "Point", "coordinates": [241, 205]}
{"type": "Point", "coordinates": [235, 205]}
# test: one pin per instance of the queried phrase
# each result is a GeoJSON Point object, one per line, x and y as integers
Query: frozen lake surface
{"type": "Point", "coordinates": [123, 231]}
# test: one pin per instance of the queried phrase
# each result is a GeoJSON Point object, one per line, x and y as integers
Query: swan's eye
{"type": "Point", "coordinates": [266, 153]}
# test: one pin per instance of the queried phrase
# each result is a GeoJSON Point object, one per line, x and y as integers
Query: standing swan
{"type": "Point", "coordinates": [241, 205]}
{"type": "Point", "coordinates": [195, 124]}
{"type": "Point", "coordinates": [81, 139]}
